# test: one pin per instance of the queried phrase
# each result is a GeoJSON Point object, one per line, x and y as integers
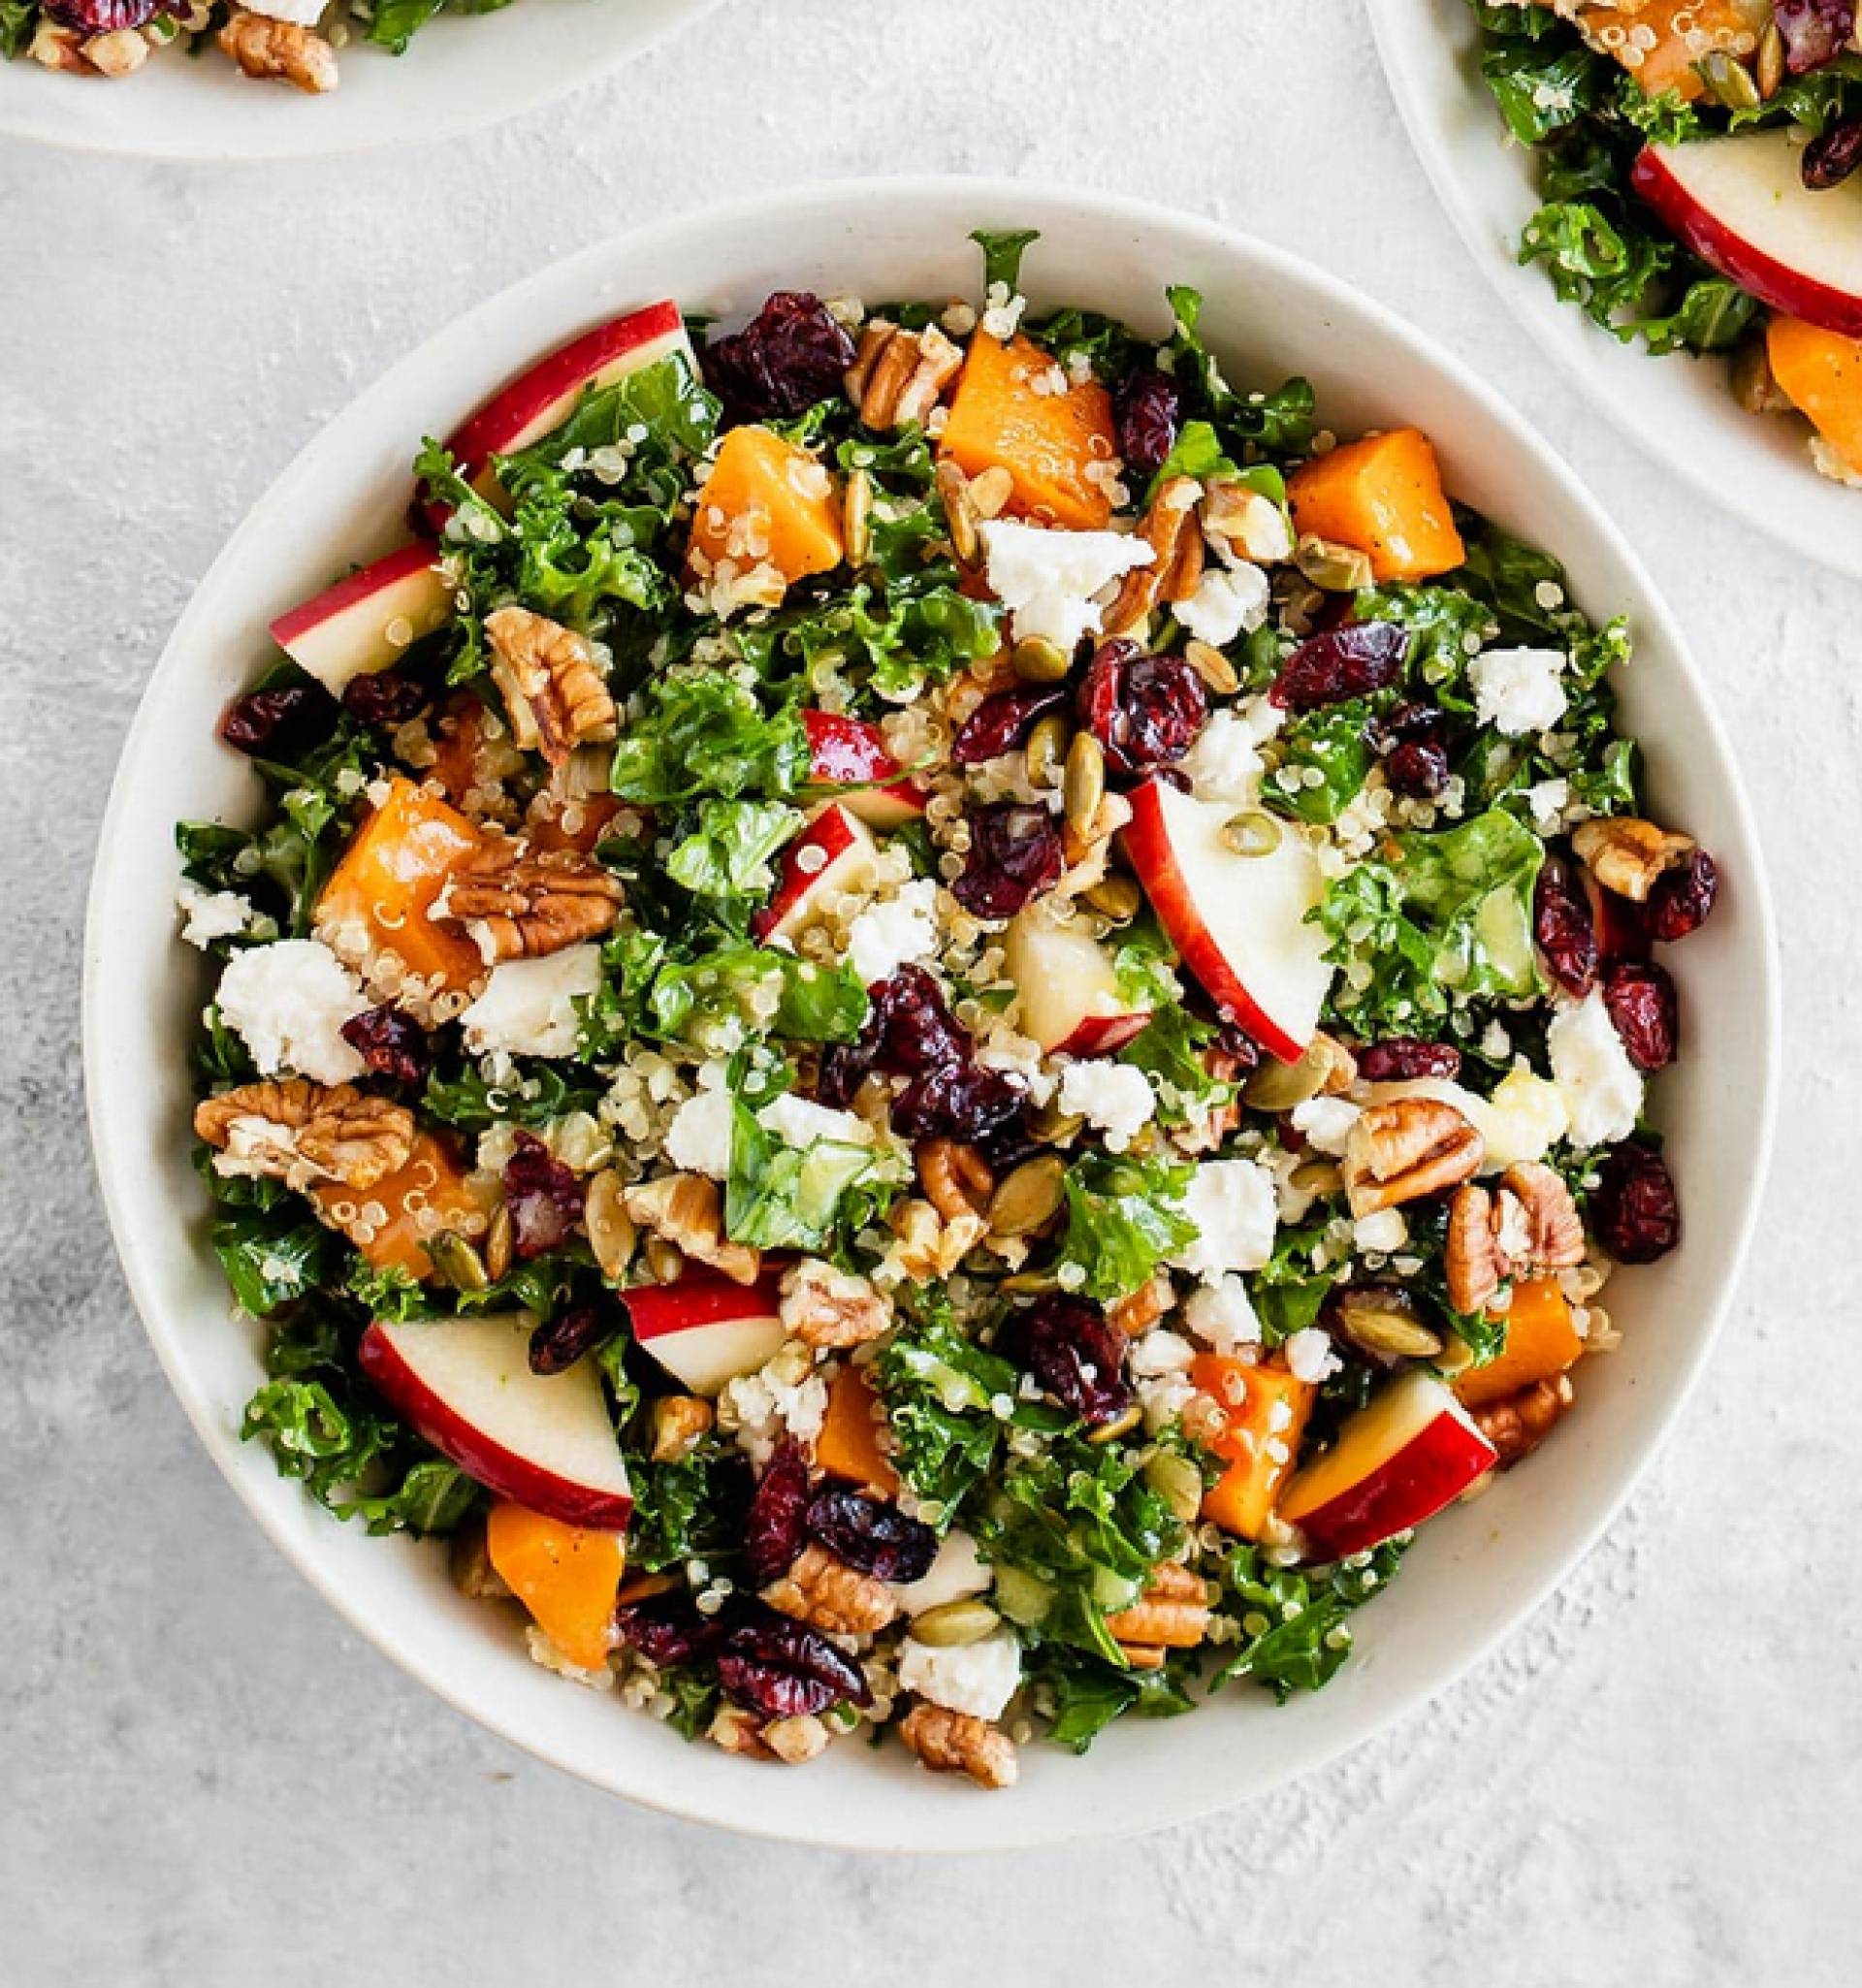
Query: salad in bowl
{"type": "Point", "coordinates": [934, 1019]}
{"type": "Point", "coordinates": [1697, 163]}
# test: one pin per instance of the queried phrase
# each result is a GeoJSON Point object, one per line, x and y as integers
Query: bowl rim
{"type": "Point", "coordinates": [1558, 329]}
{"type": "Point", "coordinates": [298, 139]}
{"type": "Point", "coordinates": [850, 202]}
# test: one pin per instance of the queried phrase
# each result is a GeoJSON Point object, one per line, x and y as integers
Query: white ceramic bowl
{"type": "Point", "coordinates": [460, 72]}
{"type": "Point", "coordinates": [1477, 1571]}
{"type": "Point", "coordinates": [1677, 408]}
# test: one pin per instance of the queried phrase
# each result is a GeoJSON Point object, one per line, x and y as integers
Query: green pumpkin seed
{"type": "Point", "coordinates": [954, 1623]}
{"type": "Point", "coordinates": [665, 1261]}
{"type": "Point", "coordinates": [1391, 1333]}
{"type": "Point", "coordinates": [1177, 1480]}
{"type": "Point", "coordinates": [1037, 662]}
{"type": "Point", "coordinates": [1333, 568]}
{"type": "Point", "coordinates": [1771, 61]}
{"type": "Point", "coordinates": [457, 1261]}
{"type": "Point", "coordinates": [1729, 83]}
{"type": "Point", "coordinates": [1052, 1125]}
{"type": "Point", "coordinates": [612, 1235]}
{"type": "Point", "coordinates": [1119, 1425]}
{"type": "Point", "coordinates": [497, 1242]}
{"type": "Point", "coordinates": [1028, 1198]}
{"type": "Point", "coordinates": [856, 518]}
{"type": "Point", "coordinates": [1277, 1086]}
{"type": "Point", "coordinates": [1255, 833]}
{"type": "Point", "coordinates": [1316, 1177]}
{"type": "Point", "coordinates": [1030, 1284]}
{"type": "Point", "coordinates": [1213, 667]}
{"type": "Point", "coordinates": [1046, 749]}
{"type": "Point", "coordinates": [959, 514]}
{"type": "Point", "coordinates": [1083, 785]}
{"type": "Point", "coordinates": [1118, 898]}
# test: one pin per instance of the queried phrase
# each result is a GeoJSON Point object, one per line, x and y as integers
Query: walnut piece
{"type": "Point", "coordinates": [1138, 1313]}
{"type": "Point", "coordinates": [927, 1246]}
{"type": "Point", "coordinates": [685, 1210]}
{"type": "Point", "coordinates": [1172, 1614]}
{"type": "Point", "coordinates": [1408, 1147]}
{"type": "Point", "coordinates": [795, 1741]}
{"type": "Point", "coordinates": [825, 1307]}
{"type": "Point", "coordinates": [958, 1743]}
{"type": "Point", "coordinates": [898, 377]}
{"type": "Point", "coordinates": [1530, 1225]}
{"type": "Point", "coordinates": [830, 1595]}
{"type": "Point", "coordinates": [1170, 531]}
{"type": "Point", "coordinates": [1250, 524]}
{"type": "Point", "coordinates": [557, 697]}
{"type": "Point", "coordinates": [1518, 1424]}
{"type": "Point", "coordinates": [121, 52]}
{"type": "Point", "coordinates": [955, 1178]}
{"type": "Point", "coordinates": [679, 1421]}
{"type": "Point", "coordinates": [1626, 855]}
{"type": "Point", "coordinates": [305, 1134]}
{"type": "Point", "coordinates": [280, 51]}
{"type": "Point", "coordinates": [518, 905]}
{"type": "Point", "coordinates": [57, 47]}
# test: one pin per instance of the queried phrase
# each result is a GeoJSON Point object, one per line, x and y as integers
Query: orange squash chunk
{"type": "Point", "coordinates": [767, 502]}
{"type": "Point", "coordinates": [1045, 441]}
{"type": "Point", "coordinates": [1384, 496]}
{"type": "Point", "coordinates": [1541, 1341]}
{"type": "Point", "coordinates": [1821, 374]}
{"type": "Point", "coordinates": [384, 886]}
{"type": "Point", "coordinates": [395, 1240]}
{"type": "Point", "coordinates": [567, 1576]}
{"type": "Point", "coordinates": [549, 824]}
{"type": "Point", "coordinates": [1267, 1407]}
{"type": "Point", "coordinates": [849, 1444]}
{"type": "Point", "coordinates": [1670, 64]}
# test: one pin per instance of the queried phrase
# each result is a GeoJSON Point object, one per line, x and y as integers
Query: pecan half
{"type": "Point", "coordinates": [518, 905]}
{"type": "Point", "coordinates": [679, 1421]}
{"type": "Point", "coordinates": [828, 1594]}
{"type": "Point", "coordinates": [958, 1743]}
{"type": "Point", "coordinates": [1626, 855]}
{"type": "Point", "coordinates": [1170, 529]}
{"type": "Point", "coordinates": [1405, 1148]}
{"type": "Point", "coordinates": [898, 377]}
{"type": "Point", "coordinates": [557, 697]}
{"type": "Point", "coordinates": [825, 1307]}
{"type": "Point", "coordinates": [280, 51]}
{"type": "Point", "coordinates": [307, 1133]}
{"type": "Point", "coordinates": [955, 1178]}
{"type": "Point", "coordinates": [1553, 1228]}
{"type": "Point", "coordinates": [1172, 1614]}
{"type": "Point", "coordinates": [1141, 1312]}
{"type": "Point", "coordinates": [687, 1210]}
{"type": "Point", "coordinates": [1530, 1225]}
{"type": "Point", "coordinates": [1472, 1260]}
{"type": "Point", "coordinates": [1518, 1424]}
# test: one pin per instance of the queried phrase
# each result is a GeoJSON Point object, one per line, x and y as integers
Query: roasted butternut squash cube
{"type": "Point", "coordinates": [1267, 1407]}
{"type": "Point", "coordinates": [766, 503]}
{"type": "Point", "coordinates": [567, 1576]}
{"type": "Point", "coordinates": [1682, 29]}
{"type": "Point", "coordinates": [1384, 496]}
{"type": "Point", "coordinates": [1541, 1342]}
{"type": "Point", "coordinates": [1820, 374]}
{"type": "Point", "coordinates": [849, 1444]}
{"type": "Point", "coordinates": [390, 1222]}
{"type": "Point", "coordinates": [1014, 410]}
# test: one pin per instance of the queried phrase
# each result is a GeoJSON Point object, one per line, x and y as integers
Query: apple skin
{"type": "Point", "coordinates": [498, 1348]}
{"type": "Point", "coordinates": [1149, 845]}
{"type": "Point", "coordinates": [1677, 187]}
{"type": "Point", "coordinates": [1100, 1034]}
{"type": "Point", "coordinates": [544, 397]}
{"type": "Point", "coordinates": [1397, 1462]}
{"type": "Point", "coordinates": [851, 751]}
{"type": "Point", "coordinates": [712, 1329]}
{"type": "Point", "coordinates": [845, 847]}
{"type": "Point", "coordinates": [1067, 989]}
{"type": "Point", "coordinates": [343, 633]}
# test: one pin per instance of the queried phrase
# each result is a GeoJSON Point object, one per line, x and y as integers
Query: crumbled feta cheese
{"type": "Point", "coordinates": [299, 13]}
{"type": "Point", "coordinates": [884, 937]}
{"type": "Point", "coordinates": [1222, 1315]}
{"type": "Point", "coordinates": [801, 1123]}
{"type": "Point", "coordinates": [1224, 765]}
{"type": "Point", "coordinates": [1548, 800]}
{"type": "Point", "coordinates": [288, 1002]}
{"type": "Point", "coordinates": [1384, 1233]}
{"type": "Point", "coordinates": [1048, 580]}
{"type": "Point", "coordinates": [1115, 1097]}
{"type": "Point", "coordinates": [1601, 1088]}
{"type": "Point", "coordinates": [1158, 1352]}
{"type": "Point", "coordinates": [760, 1408]}
{"type": "Point", "coordinates": [976, 1677]}
{"type": "Point", "coordinates": [210, 914]}
{"type": "Point", "coordinates": [1325, 1123]}
{"type": "Point", "coordinates": [1228, 601]}
{"type": "Point", "coordinates": [699, 1138]}
{"type": "Point", "coordinates": [527, 1008]}
{"type": "Point", "coordinates": [1519, 691]}
{"type": "Point", "coordinates": [1309, 1355]}
{"type": "Point", "coordinates": [958, 1572]}
{"type": "Point", "coordinates": [1234, 1209]}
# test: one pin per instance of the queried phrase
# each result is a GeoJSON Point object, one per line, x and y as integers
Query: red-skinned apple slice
{"type": "Point", "coordinates": [851, 751]}
{"type": "Point", "coordinates": [1239, 923]}
{"type": "Point", "coordinates": [706, 1330]}
{"type": "Point", "coordinates": [1398, 1461]}
{"type": "Point", "coordinates": [1740, 204]}
{"type": "Point", "coordinates": [366, 623]}
{"type": "Point", "coordinates": [545, 396]}
{"type": "Point", "coordinates": [544, 1441]}
{"type": "Point", "coordinates": [835, 851]}
{"type": "Point", "coordinates": [1071, 1003]}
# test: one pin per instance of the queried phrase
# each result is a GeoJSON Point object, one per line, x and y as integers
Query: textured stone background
{"type": "Point", "coordinates": [210, 1781]}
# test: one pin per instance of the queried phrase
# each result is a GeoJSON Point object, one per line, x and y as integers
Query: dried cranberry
{"type": "Point", "coordinates": [1014, 854]}
{"type": "Point", "coordinates": [285, 719]}
{"type": "Point", "coordinates": [1680, 899]}
{"type": "Point", "coordinates": [1622, 924]}
{"type": "Point", "coordinates": [1000, 724]}
{"type": "Point", "coordinates": [959, 1101]}
{"type": "Point", "coordinates": [1148, 407]}
{"type": "Point", "coordinates": [783, 1669]}
{"type": "Point", "coordinates": [390, 1043]}
{"type": "Point", "coordinates": [1833, 155]}
{"type": "Point", "coordinates": [103, 17]}
{"type": "Point", "coordinates": [665, 1630]}
{"type": "Point", "coordinates": [1409, 719]}
{"type": "Point", "coordinates": [909, 1028]}
{"type": "Point", "coordinates": [1076, 1355]}
{"type": "Point", "coordinates": [1350, 661]}
{"type": "Point", "coordinates": [1398, 1058]}
{"type": "Point", "coordinates": [544, 1197]}
{"type": "Point", "coordinates": [1641, 1000]}
{"type": "Point", "coordinates": [386, 698]}
{"type": "Point", "coordinates": [1563, 927]}
{"type": "Point", "coordinates": [558, 1343]}
{"type": "Point", "coordinates": [1813, 31]}
{"type": "Point", "coordinates": [1635, 1211]}
{"type": "Point", "coordinates": [1418, 769]}
{"type": "Point", "coordinates": [778, 1507]}
{"type": "Point", "coordinates": [1235, 1043]}
{"type": "Point", "coordinates": [791, 355]}
{"type": "Point", "coordinates": [871, 1536]}
{"type": "Point", "coordinates": [1144, 710]}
